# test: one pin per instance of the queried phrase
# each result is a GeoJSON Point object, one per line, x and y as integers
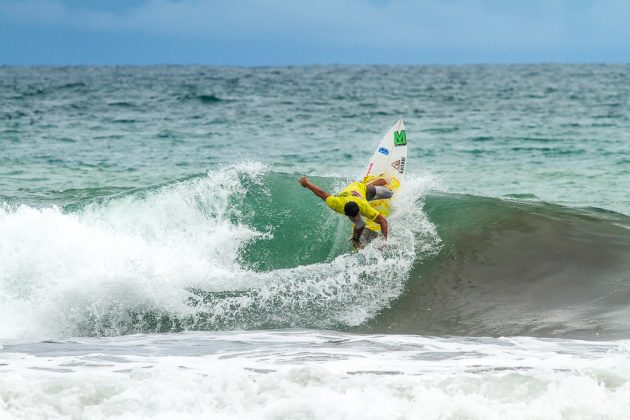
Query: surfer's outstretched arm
{"type": "Point", "coordinates": [316, 190]}
{"type": "Point", "coordinates": [382, 221]}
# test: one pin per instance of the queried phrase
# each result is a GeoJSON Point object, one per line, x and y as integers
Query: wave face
{"type": "Point", "coordinates": [247, 248]}
{"type": "Point", "coordinates": [510, 268]}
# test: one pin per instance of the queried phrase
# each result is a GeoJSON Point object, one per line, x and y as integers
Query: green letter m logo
{"type": "Point", "coordinates": [400, 139]}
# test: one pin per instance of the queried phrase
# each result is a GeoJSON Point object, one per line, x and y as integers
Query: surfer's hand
{"type": "Point", "coordinates": [304, 181]}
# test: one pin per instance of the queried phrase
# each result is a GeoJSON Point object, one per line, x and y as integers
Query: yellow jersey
{"type": "Point", "coordinates": [353, 192]}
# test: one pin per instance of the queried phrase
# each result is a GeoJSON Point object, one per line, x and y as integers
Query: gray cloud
{"type": "Point", "coordinates": [465, 24]}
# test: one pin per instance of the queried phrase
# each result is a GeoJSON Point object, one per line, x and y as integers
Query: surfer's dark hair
{"type": "Point", "coordinates": [351, 209]}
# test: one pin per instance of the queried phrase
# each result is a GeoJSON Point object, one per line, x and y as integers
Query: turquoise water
{"type": "Point", "coordinates": [158, 256]}
{"type": "Point", "coordinates": [559, 133]}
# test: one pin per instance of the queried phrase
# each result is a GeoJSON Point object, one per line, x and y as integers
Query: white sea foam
{"type": "Point", "coordinates": [89, 271]}
{"type": "Point", "coordinates": [317, 375]}
{"type": "Point", "coordinates": [130, 250]}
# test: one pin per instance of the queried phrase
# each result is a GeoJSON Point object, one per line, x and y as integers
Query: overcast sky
{"type": "Point", "coordinates": [275, 32]}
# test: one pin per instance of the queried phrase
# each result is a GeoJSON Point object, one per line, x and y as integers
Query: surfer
{"type": "Point", "coordinates": [352, 201]}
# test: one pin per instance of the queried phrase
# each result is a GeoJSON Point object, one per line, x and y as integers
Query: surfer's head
{"type": "Point", "coordinates": [351, 209]}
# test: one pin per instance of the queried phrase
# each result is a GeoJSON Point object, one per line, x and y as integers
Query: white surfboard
{"type": "Point", "coordinates": [389, 161]}
{"type": "Point", "coordinates": [390, 157]}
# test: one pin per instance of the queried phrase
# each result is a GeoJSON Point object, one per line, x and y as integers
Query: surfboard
{"type": "Point", "coordinates": [389, 161]}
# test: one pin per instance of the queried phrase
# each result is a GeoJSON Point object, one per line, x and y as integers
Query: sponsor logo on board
{"type": "Point", "coordinates": [383, 150]}
{"type": "Point", "coordinates": [369, 169]}
{"type": "Point", "coordinates": [400, 138]}
{"type": "Point", "coordinates": [399, 165]}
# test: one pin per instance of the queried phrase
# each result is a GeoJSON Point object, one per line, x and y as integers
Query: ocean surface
{"type": "Point", "coordinates": [158, 258]}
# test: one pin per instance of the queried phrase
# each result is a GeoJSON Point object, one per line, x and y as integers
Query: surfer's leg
{"type": "Point", "coordinates": [378, 193]}
{"type": "Point", "coordinates": [370, 192]}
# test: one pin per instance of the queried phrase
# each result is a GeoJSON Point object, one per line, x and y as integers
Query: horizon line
{"type": "Point", "coordinates": [437, 64]}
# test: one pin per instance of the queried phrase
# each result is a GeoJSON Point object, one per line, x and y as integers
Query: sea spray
{"type": "Point", "coordinates": [176, 257]}
{"type": "Point", "coordinates": [140, 249]}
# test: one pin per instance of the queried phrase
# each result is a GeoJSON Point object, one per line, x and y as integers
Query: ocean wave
{"type": "Point", "coordinates": [245, 247]}
{"type": "Point", "coordinates": [241, 247]}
